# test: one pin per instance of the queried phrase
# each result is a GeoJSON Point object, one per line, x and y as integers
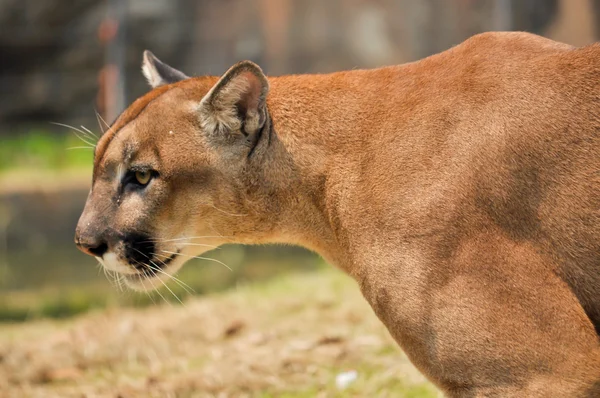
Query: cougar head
{"type": "Point", "coordinates": [178, 173]}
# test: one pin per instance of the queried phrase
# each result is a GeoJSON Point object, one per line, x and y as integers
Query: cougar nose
{"type": "Point", "coordinates": [93, 248]}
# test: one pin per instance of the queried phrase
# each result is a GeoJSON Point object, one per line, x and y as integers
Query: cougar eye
{"type": "Point", "coordinates": [143, 177]}
{"type": "Point", "coordinates": [138, 178]}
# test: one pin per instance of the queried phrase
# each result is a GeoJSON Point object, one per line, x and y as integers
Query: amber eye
{"type": "Point", "coordinates": [143, 177]}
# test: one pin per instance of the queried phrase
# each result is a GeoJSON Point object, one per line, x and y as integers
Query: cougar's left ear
{"type": "Point", "coordinates": [237, 102]}
{"type": "Point", "coordinates": [158, 73]}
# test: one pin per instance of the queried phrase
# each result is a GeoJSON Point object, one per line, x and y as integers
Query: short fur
{"type": "Point", "coordinates": [462, 192]}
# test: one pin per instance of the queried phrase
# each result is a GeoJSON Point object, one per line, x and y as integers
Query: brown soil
{"type": "Point", "coordinates": [289, 337]}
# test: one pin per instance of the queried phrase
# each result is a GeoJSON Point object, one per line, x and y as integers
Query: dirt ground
{"type": "Point", "coordinates": [289, 337]}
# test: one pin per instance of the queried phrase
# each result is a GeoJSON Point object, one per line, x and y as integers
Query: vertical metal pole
{"type": "Point", "coordinates": [115, 60]}
{"type": "Point", "coordinates": [5, 216]}
{"type": "Point", "coordinates": [502, 20]}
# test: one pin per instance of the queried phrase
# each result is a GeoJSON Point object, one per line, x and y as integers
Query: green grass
{"type": "Point", "coordinates": [60, 298]}
{"type": "Point", "coordinates": [295, 334]}
{"type": "Point", "coordinates": [41, 150]}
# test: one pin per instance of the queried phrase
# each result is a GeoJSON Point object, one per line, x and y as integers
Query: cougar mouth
{"type": "Point", "coordinates": [150, 270]}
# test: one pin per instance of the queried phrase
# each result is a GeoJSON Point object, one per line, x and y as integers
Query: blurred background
{"type": "Point", "coordinates": [77, 63]}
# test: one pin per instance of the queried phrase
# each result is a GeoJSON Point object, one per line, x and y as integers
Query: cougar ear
{"type": "Point", "coordinates": [237, 102]}
{"type": "Point", "coordinates": [158, 73]}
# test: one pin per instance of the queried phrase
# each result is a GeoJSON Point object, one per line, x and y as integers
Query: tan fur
{"type": "Point", "coordinates": [462, 192]}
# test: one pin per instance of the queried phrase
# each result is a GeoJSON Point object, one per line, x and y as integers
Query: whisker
{"type": "Point", "coordinates": [156, 290]}
{"type": "Point", "coordinates": [227, 238]}
{"type": "Point", "coordinates": [226, 212]}
{"type": "Point", "coordinates": [181, 283]}
{"type": "Point", "coordinates": [90, 132]}
{"type": "Point", "coordinates": [69, 127]}
{"type": "Point", "coordinates": [110, 277]}
{"type": "Point", "coordinates": [164, 284]}
{"type": "Point", "coordinates": [199, 244]}
{"type": "Point", "coordinates": [184, 286]}
{"type": "Point", "coordinates": [119, 280]}
{"type": "Point", "coordinates": [146, 291]}
{"type": "Point", "coordinates": [82, 135]}
{"type": "Point", "coordinates": [80, 147]}
{"type": "Point", "coordinates": [188, 237]}
{"type": "Point", "coordinates": [83, 139]}
{"type": "Point", "coordinates": [105, 271]}
{"type": "Point", "coordinates": [99, 124]}
{"type": "Point", "coordinates": [143, 276]}
{"type": "Point", "coordinates": [88, 135]}
{"type": "Point", "coordinates": [200, 258]}
{"type": "Point", "coordinates": [160, 294]}
{"type": "Point", "coordinates": [113, 276]}
{"type": "Point", "coordinates": [99, 118]}
{"type": "Point", "coordinates": [156, 267]}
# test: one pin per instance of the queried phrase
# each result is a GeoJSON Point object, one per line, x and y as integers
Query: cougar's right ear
{"type": "Point", "coordinates": [236, 105]}
{"type": "Point", "coordinates": [158, 73]}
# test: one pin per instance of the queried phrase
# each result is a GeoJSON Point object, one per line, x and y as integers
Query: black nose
{"type": "Point", "coordinates": [99, 250]}
{"type": "Point", "coordinates": [139, 249]}
{"type": "Point", "coordinates": [96, 249]}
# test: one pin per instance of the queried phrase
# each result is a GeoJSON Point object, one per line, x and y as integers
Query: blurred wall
{"type": "Point", "coordinates": [53, 53]}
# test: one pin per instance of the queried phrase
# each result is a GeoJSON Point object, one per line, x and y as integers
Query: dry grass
{"type": "Point", "coordinates": [286, 338]}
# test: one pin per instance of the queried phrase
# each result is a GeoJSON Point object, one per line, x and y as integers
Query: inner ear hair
{"type": "Point", "coordinates": [237, 103]}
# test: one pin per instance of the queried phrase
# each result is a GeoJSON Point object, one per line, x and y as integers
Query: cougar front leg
{"type": "Point", "coordinates": [495, 321]}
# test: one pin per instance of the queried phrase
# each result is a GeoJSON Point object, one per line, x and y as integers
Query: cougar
{"type": "Point", "coordinates": [461, 192]}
